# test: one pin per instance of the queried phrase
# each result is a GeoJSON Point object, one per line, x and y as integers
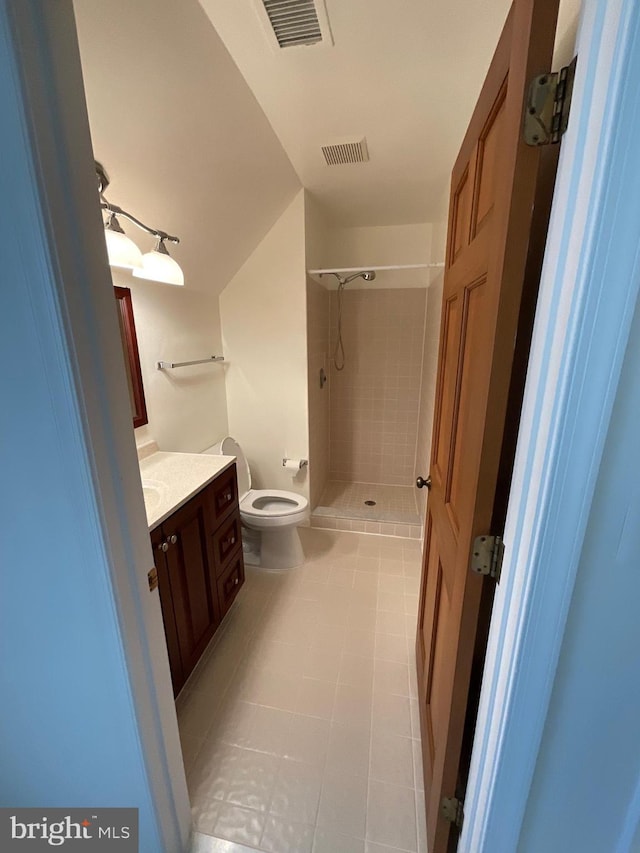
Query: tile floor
{"type": "Point", "coordinates": [300, 727]}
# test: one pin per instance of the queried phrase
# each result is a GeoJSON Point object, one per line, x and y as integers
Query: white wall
{"type": "Point", "coordinates": [383, 245]}
{"type": "Point", "coordinates": [185, 145]}
{"type": "Point", "coordinates": [186, 407]}
{"type": "Point", "coordinates": [264, 332]}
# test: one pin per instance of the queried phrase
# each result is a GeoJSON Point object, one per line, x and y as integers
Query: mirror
{"type": "Point", "coordinates": [131, 356]}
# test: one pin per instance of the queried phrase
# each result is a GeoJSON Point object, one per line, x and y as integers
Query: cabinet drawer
{"type": "Point", "coordinates": [224, 493]}
{"type": "Point", "coordinates": [229, 583]}
{"type": "Point", "coordinates": [226, 540]}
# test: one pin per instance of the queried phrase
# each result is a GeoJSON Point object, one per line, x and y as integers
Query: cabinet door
{"type": "Point", "coordinates": [168, 616]}
{"type": "Point", "coordinates": [192, 579]}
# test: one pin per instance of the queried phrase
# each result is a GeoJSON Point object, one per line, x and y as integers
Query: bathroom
{"type": "Point", "coordinates": [208, 167]}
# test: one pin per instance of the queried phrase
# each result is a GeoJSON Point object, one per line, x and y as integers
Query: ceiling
{"type": "Point", "coordinates": [180, 133]}
{"type": "Point", "coordinates": [405, 75]}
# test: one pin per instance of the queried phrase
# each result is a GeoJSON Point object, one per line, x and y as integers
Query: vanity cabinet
{"type": "Point", "coordinates": [198, 556]}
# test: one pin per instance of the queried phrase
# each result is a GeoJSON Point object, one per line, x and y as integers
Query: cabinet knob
{"type": "Point", "coordinates": [172, 539]}
{"type": "Point", "coordinates": [421, 483]}
{"type": "Point", "coordinates": [163, 547]}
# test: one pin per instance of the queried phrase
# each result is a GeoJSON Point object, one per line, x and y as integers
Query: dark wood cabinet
{"type": "Point", "coordinates": [198, 555]}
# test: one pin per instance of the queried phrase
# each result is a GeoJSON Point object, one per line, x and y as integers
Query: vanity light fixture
{"type": "Point", "coordinates": [122, 251]}
{"type": "Point", "coordinates": [156, 265]}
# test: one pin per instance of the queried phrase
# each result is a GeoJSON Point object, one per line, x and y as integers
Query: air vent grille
{"type": "Point", "coordinates": [294, 22]}
{"type": "Point", "coordinates": [346, 152]}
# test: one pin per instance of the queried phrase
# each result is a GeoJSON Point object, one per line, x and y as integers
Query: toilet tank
{"type": "Point", "coordinates": [230, 447]}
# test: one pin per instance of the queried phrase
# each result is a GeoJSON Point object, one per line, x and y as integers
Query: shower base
{"type": "Point", "coordinates": [369, 508]}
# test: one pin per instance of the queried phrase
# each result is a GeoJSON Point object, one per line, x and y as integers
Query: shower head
{"type": "Point", "coordinates": [368, 275]}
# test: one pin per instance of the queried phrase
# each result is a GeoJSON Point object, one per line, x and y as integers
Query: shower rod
{"type": "Point", "coordinates": [438, 265]}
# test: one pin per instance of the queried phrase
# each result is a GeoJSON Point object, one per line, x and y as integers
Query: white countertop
{"type": "Point", "coordinates": [170, 479]}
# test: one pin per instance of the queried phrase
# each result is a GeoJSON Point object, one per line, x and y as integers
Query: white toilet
{"type": "Point", "coordinates": [274, 513]}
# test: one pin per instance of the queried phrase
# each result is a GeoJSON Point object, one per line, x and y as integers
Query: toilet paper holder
{"type": "Point", "coordinates": [300, 463]}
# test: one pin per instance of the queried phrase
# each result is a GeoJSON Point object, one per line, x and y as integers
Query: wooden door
{"type": "Point", "coordinates": [492, 193]}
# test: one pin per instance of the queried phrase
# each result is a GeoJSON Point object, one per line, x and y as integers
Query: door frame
{"type": "Point", "coordinates": [585, 307]}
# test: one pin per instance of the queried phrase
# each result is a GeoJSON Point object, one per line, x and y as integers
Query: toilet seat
{"type": "Point", "coordinates": [272, 508]}
{"type": "Point", "coordinates": [270, 503]}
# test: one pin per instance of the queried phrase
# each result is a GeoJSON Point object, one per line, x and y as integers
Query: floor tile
{"type": "Point", "coordinates": [352, 705]}
{"type": "Point", "coordinates": [296, 793]}
{"type": "Point", "coordinates": [343, 804]}
{"type": "Point", "coordinates": [391, 677]}
{"type": "Point", "coordinates": [284, 837]}
{"type": "Point", "coordinates": [316, 698]}
{"type": "Point", "coordinates": [201, 843]}
{"type": "Point", "coordinates": [307, 740]}
{"type": "Point", "coordinates": [322, 662]}
{"type": "Point", "coordinates": [391, 647]}
{"type": "Point", "coordinates": [372, 847]}
{"type": "Point", "coordinates": [251, 779]}
{"type": "Point", "coordinates": [360, 641]}
{"type": "Point", "coordinates": [356, 670]}
{"type": "Point", "coordinates": [348, 750]}
{"type": "Point", "coordinates": [275, 689]}
{"type": "Point", "coordinates": [327, 841]}
{"type": "Point", "coordinates": [391, 714]}
{"type": "Point", "coordinates": [269, 730]}
{"type": "Point", "coordinates": [390, 623]}
{"type": "Point", "coordinates": [391, 816]}
{"type": "Point", "coordinates": [233, 725]}
{"type": "Point", "coordinates": [392, 759]}
{"type": "Point", "coordinates": [238, 824]}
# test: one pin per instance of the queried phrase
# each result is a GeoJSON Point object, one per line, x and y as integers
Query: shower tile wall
{"type": "Point", "coordinates": [318, 312]}
{"type": "Point", "coordinates": [375, 399]}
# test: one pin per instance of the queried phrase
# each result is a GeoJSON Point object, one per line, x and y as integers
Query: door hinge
{"type": "Point", "coordinates": [546, 112]}
{"type": "Point", "coordinates": [451, 808]}
{"type": "Point", "coordinates": [487, 555]}
{"type": "Point", "coordinates": [152, 577]}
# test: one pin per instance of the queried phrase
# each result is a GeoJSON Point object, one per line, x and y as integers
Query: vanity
{"type": "Point", "coordinates": [194, 522]}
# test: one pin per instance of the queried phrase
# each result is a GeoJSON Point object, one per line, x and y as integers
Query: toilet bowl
{"type": "Point", "coordinates": [273, 513]}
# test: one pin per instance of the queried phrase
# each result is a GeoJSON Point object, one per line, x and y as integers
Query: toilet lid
{"type": "Point", "coordinates": [272, 503]}
{"type": "Point", "coordinates": [230, 447]}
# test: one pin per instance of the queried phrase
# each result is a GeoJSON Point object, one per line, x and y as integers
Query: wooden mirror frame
{"type": "Point", "coordinates": [131, 356]}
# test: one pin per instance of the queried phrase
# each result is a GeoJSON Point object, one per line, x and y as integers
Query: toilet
{"type": "Point", "coordinates": [271, 515]}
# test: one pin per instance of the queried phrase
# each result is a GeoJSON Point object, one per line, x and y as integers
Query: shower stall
{"type": "Point", "coordinates": [372, 358]}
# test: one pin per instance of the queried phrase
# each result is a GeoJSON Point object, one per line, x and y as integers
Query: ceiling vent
{"type": "Point", "coordinates": [294, 23]}
{"type": "Point", "coordinates": [346, 152]}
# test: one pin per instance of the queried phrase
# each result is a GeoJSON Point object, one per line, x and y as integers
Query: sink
{"type": "Point", "coordinates": [152, 495]}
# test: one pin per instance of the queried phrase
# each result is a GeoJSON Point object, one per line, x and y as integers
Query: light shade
{"type": "Point", "coordinates": [122, 251]}
{"type": "Point", "coordinates": [158, 265]}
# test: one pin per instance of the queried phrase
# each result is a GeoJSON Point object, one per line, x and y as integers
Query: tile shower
{"type": "Point", "coordinates": [367, 424]}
